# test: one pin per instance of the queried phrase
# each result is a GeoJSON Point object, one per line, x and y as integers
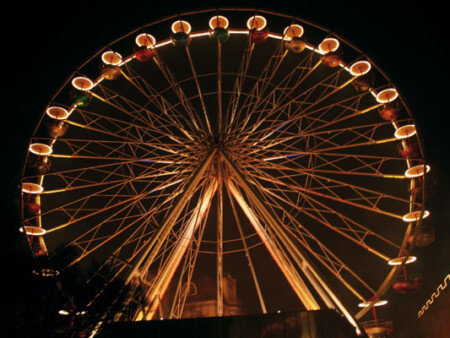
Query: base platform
{"type": "Point", "coordinates": [308, 324]}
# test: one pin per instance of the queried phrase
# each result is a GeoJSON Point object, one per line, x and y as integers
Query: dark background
{"type": "Point", "coordinates": [45, 43]}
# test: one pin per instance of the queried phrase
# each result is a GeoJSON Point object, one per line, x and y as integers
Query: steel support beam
{"type": "Point", "coordinates": [272, 220]}
{"type": "Point", "coordinates": [157, 240]}
{"type": "Point", "coordinates": [156, 293]}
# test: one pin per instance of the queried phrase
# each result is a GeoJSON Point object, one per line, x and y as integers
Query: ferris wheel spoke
{"type": "Point", "coordinates": [219, 89]}
{"type": "Point", "coordinates": [131, 150]}
{"type": "Point", "coordinates": [300, 122]}
{"type": "Point", "coordinates": [177, 89]}
{"type": "Point", "coordinates": [279, 93]}
{"type": "Point", "coordinates": [264, 80]}
{"type": "Point", "coordinates": [135, 110]}
{"type": "Point", "coordinates": [306, 68]}
{"type": "Point", "coordinates": [279, 188]}
{"type": "Point", "coordinates": [326, 163]}
{"type": "Point", "coordinates": [303, 125]}
{"type": "Point", "coordinates": [317, 211]}
{"type": "Point", "coordinates": [109, 126]}
{"type": "Point", "coordinates": [90, 241]}
{"type": "Point", "coordinates": [247, 253]}
{"type": "Point", "coordinates": [320, 252]}
{"type": "Point", "coordinates": [194, 221]}
{"type": "Point", "coordinates": [259, 87]}
{"type": "Point", "coordinates": [78, 183]}
{"type": "Point", "coordinates": [324, 90]}
{"type": "Point", "coordinates": [315, 279]}
{"type": "Point", "coordinates": [111, 171]}
{"type": "Point", "coordinates": [233, 102]}
{"type": "Point", "coordinates": [200, 94]}
{"type": "Point", "coordinates": [141, 219]}
{"type": "Point", "coordinates": [118, 128]}
{"type": "Point", "coordinates": [340, 118]}
{"type": "Point", "coordinates": [290, 137]}
{"type": "Point", "coordinates": [110, 203]}
{"type": "Point", "coordinates": [160, 102]}
{"type": "Point", "coordinates": [277, 252]}
{"type": "Point", "coordinates": [328, 196]}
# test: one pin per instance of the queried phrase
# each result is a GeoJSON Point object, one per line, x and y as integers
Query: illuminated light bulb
{"type": "Point", "coordinates": [181, 26]}
{"type": "Point", "coordinates": [111, 58]}
{"type": "Point", "coordinates": [293, 31]}
{"type": "Point", "coordinates": [218, 21]}
{"type": "Point", "coordinates": [329, 45]}
{"type": "Point", "coordinates": [387, 95]}
{"type": "Point", "coordinates": [40, 149]}
{"type": "Point", "coordinates": [32, 230]}
{"type": "Point", "coordinates": [145, 40]}
{"type": "Point", "coordinates": [32, 188]}
{"type": "Point", "coordinates": [82, 83]}
{"type": "Point", "coordinates": [417, 171]}
{"type": "Point", "coordinates": [360, 68]}
{"type": "Point", "coordinates": [257, 22]}
{"type": "Point", "coordinates": [57, 113]}
{"type": "Point", "coordinates": [380, 302]}
{"type": "Point", "coordinates": [405, 131]}
{"type": "Point", "coordinates": [399, 260]}
{"type": "Point", "coordinates": [415, 216]}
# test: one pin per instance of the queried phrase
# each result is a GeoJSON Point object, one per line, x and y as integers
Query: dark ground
{"type": "Point", "coordinates": [45, 43]}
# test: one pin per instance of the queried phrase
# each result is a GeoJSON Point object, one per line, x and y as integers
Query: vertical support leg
{"type": "Point", "coordinates": [219, 246]}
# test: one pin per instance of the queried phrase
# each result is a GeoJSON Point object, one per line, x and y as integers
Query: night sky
{"type": "Point", "coordinates": [46, 43]}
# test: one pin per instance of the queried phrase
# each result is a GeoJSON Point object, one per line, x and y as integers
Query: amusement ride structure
{"type": "Point", "coordinates": [218, 133]}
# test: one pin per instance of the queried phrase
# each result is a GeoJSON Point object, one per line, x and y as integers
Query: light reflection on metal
{"type": "Point", "coordinates": [379, 302]}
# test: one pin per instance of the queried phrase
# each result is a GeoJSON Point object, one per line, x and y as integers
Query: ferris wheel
{"type": "Point", "coordinates": [222, 133]}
